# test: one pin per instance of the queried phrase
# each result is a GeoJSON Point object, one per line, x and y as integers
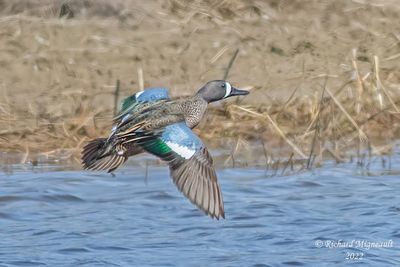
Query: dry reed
{"type": "Point", "coordinates": [72, 96]}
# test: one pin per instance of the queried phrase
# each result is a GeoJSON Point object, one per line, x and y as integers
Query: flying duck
{"type": "Point", "coordinates": [149, 121]}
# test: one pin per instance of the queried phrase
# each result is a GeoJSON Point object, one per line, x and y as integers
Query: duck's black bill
{"type": "Point", "coordinates": [236, 92]}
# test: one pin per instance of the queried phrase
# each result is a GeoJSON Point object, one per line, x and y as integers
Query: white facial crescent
{"type": "Point", "coordinates": [228, 89]}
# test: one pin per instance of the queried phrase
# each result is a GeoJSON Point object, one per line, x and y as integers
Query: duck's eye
{"type": "Point", "coordinates": [223, 85]}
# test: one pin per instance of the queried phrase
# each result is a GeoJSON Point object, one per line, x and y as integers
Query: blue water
{"type": "Point", "coordinates": [51, 217]}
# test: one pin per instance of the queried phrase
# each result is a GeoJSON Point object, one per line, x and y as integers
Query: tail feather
{"type": "Point", "coordinates": [93, 157]}
{"type": "Point", "coordinates": [109, 163]}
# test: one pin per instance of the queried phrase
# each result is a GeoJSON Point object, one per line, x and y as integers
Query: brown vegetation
{"type": "Point", "coordinates": [324, 75]}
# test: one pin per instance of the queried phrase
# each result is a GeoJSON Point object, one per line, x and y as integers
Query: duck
{"type": "Point", "coordinates": [149, 121]}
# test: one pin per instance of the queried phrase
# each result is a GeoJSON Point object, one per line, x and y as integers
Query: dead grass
{"type": "Point", "coordinates": [322, 88]}
{"type": "Point", "coordinates": [314, 130]}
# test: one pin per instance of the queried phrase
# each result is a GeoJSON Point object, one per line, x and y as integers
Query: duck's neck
{"type": "Point", "coordinates": [193, 110]}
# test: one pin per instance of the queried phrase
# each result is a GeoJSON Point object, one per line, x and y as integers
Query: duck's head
{"type": "Point", "coordinates": [219, 89]}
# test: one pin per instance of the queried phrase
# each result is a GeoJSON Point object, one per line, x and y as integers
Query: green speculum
{"type": "Point", "coordinates": [157, 147]}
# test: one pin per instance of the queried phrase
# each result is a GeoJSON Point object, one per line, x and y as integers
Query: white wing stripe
{"type": "Point", "coordinates": [181, 150]}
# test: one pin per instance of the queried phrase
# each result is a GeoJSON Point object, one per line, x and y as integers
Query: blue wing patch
{"type": "Point", "coordinates": [181, 140]}
{"type": "Point", "coordinates": [148, 95]}
{"type": "Point", "coordinates": [152, 94]}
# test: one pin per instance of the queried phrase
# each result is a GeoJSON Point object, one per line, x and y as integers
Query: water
{"type": "Point", "coordinates": [74, 218]}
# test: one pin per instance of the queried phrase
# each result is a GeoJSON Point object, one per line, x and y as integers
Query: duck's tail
{"type": "Point", "coordinates": [99, 155]}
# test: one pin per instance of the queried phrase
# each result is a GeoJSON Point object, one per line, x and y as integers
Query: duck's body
{"type": "Point", "coordinates": [150, 122]}
{"type": "Point", "coordinates": [161, 113]}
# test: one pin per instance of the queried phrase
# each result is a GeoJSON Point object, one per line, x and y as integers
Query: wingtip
{"type": "Point", "coordinates": [197, 180]}
{"type": "Point", "coordinates": [221, 214]}
{"type": "Point", "coordinates": [216, 217]}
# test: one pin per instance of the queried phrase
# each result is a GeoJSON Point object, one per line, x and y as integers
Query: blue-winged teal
{"type": "Point", "coordinates": [150, 122]}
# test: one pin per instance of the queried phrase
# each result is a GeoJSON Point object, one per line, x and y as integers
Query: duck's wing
{"type": "Point", "coordinates": [95, 155]}
{"type": "Point", "coordinates": [128, 125]}
{"type": "Point", "coordinates": [132, 107]}
{"type": "Point", "coordinates": [191, 167]}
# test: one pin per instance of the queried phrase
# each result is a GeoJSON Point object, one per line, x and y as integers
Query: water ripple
{"type": "Point", "coordinates": [73, 218]}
